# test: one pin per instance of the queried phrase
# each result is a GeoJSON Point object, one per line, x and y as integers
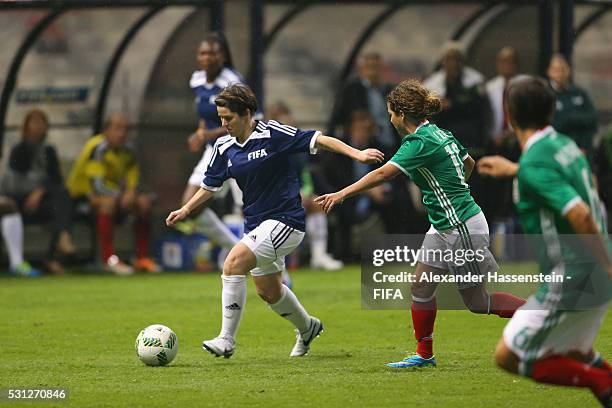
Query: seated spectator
{"type": "Point", "coordinates": [316, 219]}
{"type": "Point", "coordinates": [366, 92]}
{"type": "Point", "coordinates": [34, 180]}
{"type": "Point", "coordinates": [106, 175]}
{"type": "Point", "coordinates": [12, 232]}
{"type": "Point", "coordinates": [575, 114]}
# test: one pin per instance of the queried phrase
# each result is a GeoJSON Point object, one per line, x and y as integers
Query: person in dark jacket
{"type": "Point", "coordinates": [366, 92]}
{"type": "Point", "coordinates": [34, 180]}
{"type": "Point", "coordinates": [575, 114]}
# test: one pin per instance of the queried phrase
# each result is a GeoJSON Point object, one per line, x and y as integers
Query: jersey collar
{"type": "Point", "coordinates": [260, 132]}
{"type": "Point", "coordinates": [537, 136]}
{"type": "Point", "coordinates": [423, 123]}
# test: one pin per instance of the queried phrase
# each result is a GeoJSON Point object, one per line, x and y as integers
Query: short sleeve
{"type": "Point", "coordinates": [411, 155]}
{"type": "Point", "coordinates": [294, 140]}
{"type": "Point", "coordinates": [548, 187]}
{"type": "Point", "coordinates": [216, 171]}
{"type": "Point", "coordinates": [463, 152]}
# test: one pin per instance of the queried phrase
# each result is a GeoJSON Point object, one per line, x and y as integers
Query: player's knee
{"type": "Point", "coordinates": [105, 205]}
{"type": "Point", "coordinates": [505, 358]}
{"type": "Point", "coordinates": [476, 299]}
{"type": "Point", "coordinates": [476, 306]}
{"type": "Point", "coordinates": [422, 290]}
{"type": "Point", "coordinates": [233, 265]}
{"type": "Point", "coordinates": [230, 266]}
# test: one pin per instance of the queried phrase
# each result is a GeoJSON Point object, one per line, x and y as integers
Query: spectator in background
{"type": "Point", "coordinates": [381, 200]}
{"type": "Point", "coordinates": [106, 175]}
{"type": "Point", "coordinates": [365, 92]}
{"type": "Point", "coordinates": [506, 64]}
{"type": "Point", "coordinates": [12, 232]}
{"type": "Point", "coordinates": [575, 114]}
{"type": "Point", "coordinates": [316, 219]}
{"type": "Point", "coordinates": [501, 142]}
{"type": "Point", "coordinates": [465, 112]}
{"type": "Point", "coordinates": [34, 180]}
{"type": "Point", "coordinates": [464, 105]}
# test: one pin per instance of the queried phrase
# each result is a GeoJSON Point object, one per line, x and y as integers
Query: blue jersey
{"type": "Point", "coordinates": [262, 168]}
{"type": "Point", "coordinates": [207, 93]}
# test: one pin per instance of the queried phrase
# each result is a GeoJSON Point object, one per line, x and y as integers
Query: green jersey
{"type": "Point", "coordinates": [433, 159]}
{"type": "Point", "coordinates": [554, 176]}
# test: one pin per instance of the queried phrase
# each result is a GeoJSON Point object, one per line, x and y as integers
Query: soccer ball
{"type": "Point", "coordinates": [156, 345]}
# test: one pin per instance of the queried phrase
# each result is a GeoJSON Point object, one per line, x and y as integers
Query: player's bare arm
{"type": "Point", "coordinates": [468, 165]}
{"type": "Point", "coordinates": [199, 198]}
{"type": "Point", "coordinates": [581, 220]}
{"type": "Point", "coordinates": [496, 166]}
{"type": "Point", "coordinates": [370, 180]}
{"type": "Point", "coordinates": [370, 156]}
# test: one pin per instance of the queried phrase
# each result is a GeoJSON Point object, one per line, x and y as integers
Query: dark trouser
{"type": "Point", "coordinates": [55, 208]}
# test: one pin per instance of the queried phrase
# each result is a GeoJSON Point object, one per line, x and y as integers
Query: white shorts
{"type": "Point", "coordinates": [457, 242]}
{"type": "Point", "coordinates": [534, 333]}
{"type": "Point", "coordinates": [198, 175]}
{"type": "Point", "coordinates": [271, 241]}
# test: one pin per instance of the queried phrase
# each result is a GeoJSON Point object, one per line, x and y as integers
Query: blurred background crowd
{"type": "Point", "coordinates": [100, 131]}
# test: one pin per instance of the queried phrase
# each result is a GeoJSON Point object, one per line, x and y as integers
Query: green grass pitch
{"type": "Point", "coordinates": [78, 332]}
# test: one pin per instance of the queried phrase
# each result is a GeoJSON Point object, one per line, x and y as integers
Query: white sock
{"type": "Point", "coordinates": [286, 277]}
{"type": "Point", "coordinates": [316, 228]}
{"type": "Point", "coordinates": [233, 299]}
{"type": "Point", "coordinates": [12, 232]}
{"type": "Point", "coordinates": [291, 309]}
{"type": "Point", "coordinates": [215, 230]}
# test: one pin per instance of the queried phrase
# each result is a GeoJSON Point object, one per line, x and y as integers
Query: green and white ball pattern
{"type": "Point", "coordinates": [156, 345]}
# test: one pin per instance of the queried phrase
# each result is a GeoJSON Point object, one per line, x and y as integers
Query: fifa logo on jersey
{"type": "Point", "coordinates": [257, 154]}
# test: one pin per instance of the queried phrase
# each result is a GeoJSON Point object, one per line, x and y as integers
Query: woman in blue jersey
{"type": "Point", "coordinates": [258, 154]}
{"type": "Point", "coordinates": [215, 73]}
{"type": "Point", "coordinates": [440, 166]}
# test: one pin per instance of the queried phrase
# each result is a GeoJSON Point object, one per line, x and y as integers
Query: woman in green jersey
{"type": "Point", "coordinates": [440, 166]}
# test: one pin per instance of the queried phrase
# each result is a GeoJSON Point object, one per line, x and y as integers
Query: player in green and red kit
{"type": "Point", "coordinates": [550, 338]}
{"type": "Point", "coordinates": [440, 166]}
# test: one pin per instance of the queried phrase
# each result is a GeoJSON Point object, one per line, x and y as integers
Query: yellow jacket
{"type": "Point", "coordinates": [100, 169]}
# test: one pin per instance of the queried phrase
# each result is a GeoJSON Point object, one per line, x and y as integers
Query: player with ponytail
{"type": "Point", "coordinates": [440, 166]}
